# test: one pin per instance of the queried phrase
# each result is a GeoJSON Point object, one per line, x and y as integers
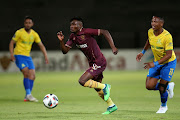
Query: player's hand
{"type": "Point", "coordinates": [46, 60]}
{"type": "Point", "coordinates": [60, 36]}
{"type": "Point", "coordinates": [12, 58]}
{"type": "Point", "coordinates": [148, 65]}
{"type": "Point", "coordinates": [115, 50]}
{"type": "Point", "coordinates": [139, 56]}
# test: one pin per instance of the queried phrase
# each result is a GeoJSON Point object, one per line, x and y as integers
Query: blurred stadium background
{"type": "Point", "coordinates": [128, 23]}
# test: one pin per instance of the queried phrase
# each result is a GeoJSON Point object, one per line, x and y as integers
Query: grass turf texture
{"type": "Point", "coordinates": [78, 103]}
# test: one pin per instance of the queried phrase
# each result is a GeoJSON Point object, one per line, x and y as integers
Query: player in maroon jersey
{"type": "Point", "coordinates": [84, 40]}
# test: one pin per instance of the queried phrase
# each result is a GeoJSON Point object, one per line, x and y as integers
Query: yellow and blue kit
{"type": "Point", "coordinates": [24, 41]}
{"type": "Point", "coordinates": [159, 45]}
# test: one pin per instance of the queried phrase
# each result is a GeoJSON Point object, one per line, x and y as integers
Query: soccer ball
{"type": "Point", "coordinates": [50, 101]}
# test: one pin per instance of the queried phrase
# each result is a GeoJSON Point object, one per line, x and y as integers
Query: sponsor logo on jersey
{"type": "Point", "coordinates": [82, 46]}
{"type": "Point", "coordinates": [83, 37]}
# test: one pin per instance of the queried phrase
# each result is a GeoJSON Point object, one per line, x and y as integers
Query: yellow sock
{"type": "Point", "coordinates": [101, 94]}
{"type": "Point", "coordinates": [109, 101]}
{"type": "Point", "coordinates": [94, 84]}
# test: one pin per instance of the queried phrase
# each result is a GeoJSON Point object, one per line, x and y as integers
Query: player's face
{"type": "Point", "coordinates": [28, 23]}
{"type": "Point", "coordinates": [156, 23]}
{"type": "Point", "coordinates": [75, 26]}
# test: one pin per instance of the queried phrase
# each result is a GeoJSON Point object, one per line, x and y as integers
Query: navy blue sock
{"type": "Point", "coordinates": [27, 86]}
{"type": "Point", "coordinates": [156, 88]}
{"type": "Point", "coordinates": [168, 87]}
{"type": "Point", "coordinates": [31, 84]}
{"type": "Point", "coordinates": [164, 98]}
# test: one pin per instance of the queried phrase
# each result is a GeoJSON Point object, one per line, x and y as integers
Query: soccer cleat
{"type": "Point", "coordinates": [25, 99]}
{"type": "Point", "coordinates": [162, 109]}
{"type": "Point", "coordinates": [106, 91]}
{"type": "Point", "coordinates": [170, 90]}
{"type": "Point", "coordinates": [110, 110]}
{"type": "Point", "coordinates": [31, 98]}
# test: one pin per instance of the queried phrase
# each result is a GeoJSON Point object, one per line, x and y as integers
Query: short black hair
{"type": "Point", "coordinates": [28, 17]}
{"type": "Point", "coordinates": [159, 16]}
{"type": "Point", "coordinates": [76, 18]}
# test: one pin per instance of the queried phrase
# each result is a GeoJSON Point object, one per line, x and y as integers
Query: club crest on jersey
{"type": "Point", "coordinates": [159, 41]}
{"type": "Point", "coordinates": [83, 37]}
{"type": "Point", "coordinates": [82, 46]}
{"type": "Point", "coordinates": [31, 37]}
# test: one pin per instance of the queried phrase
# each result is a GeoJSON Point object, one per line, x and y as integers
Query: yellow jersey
{"type": "Point", "coordinates": [160, 44]}
{"type": "Point", "coordinates": [24, 41]}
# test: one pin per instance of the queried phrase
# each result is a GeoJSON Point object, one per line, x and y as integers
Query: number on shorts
{"type": "Point", "coordinates": [171, 71]}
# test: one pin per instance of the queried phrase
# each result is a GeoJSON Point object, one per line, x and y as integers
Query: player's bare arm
{"type": "Point", "coordinates": [146, 47]}
{"type": "Point", "coordinates": [108, 37]}
{"type": "Point", "coordinates": [162, 60]}
{"type": "Point", "coordinates": [43, 49]}
{"type": "Point", "coordinates": [11, 49]}
{"type": "Point", "coordinates": [64, 48]}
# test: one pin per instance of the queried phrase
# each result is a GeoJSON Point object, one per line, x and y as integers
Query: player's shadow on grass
{"type": "Point", "coordinates": [136, 111]}
{"type": "Point", "coordinates": [77, 113]}
{"type": "Point", "coordinates": [10, 100]}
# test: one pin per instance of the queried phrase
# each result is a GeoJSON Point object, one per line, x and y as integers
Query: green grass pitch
{"type": "Point", "coordinates": [78, 103]}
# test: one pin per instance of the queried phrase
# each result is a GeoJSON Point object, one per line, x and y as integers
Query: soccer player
{"type": "Point", "coordinates": [24, 38]}
{"type": "Point", "coordinates": [161, 43]}
{"type": "Point", "coordinates": [84, 40]}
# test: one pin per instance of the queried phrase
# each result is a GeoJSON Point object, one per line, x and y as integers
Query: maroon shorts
{"type": "Point", "coordinates": [96, 69]}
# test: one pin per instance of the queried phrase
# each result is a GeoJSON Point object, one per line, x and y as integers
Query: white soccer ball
{"type": "Point", "coordinates": [50, 101]}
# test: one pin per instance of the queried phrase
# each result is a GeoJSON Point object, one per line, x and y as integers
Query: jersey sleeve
{"type": "Point", "coordinates": [149, 32]}
{"type": "Point", "coordinates": [16, 35]}
{"type": "Point", "coordinates": [93, 32]}
{"type": "Point", "coordinates": [70, 42]}
{"type": "Point", "coordinates": [37, 38]}
{"type": "Point", "coordinates": [168, 43]}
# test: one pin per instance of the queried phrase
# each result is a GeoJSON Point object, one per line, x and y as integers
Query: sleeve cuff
{"type": "Point", "coordinates": [99, 32]}
{"type": "Point", "coordinates": [169, 49]}
{"type": "Point", "coordinates": [68, 46]}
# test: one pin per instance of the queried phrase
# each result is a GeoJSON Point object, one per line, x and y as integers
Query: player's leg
{"type": "Point", "coordinates": [111, 106]}
{"type": "Point", "coordinates": [22, 64]}
{"type": "Point", "coordinates": [27, 87]}
{"type": "Point", "coordinates": [152, 78]}
{"type": "Point", "coordinates": [152, 83]}
{"type": "Point", "coordinates": [166, 76]}
{"type": "Point", "coordinates": [164, 96]}
{"type": "Point", "coordinates": [31, 72]}
{"type": "Point", "coordinates": [31, 78]}
{"type": "Point", "coordinates": [86, 81]}
{"type": "Point", "coordinates": [25, 72]}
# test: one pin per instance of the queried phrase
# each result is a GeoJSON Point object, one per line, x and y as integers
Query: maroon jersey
{"type": "Point", "coordinates": [85, 41]}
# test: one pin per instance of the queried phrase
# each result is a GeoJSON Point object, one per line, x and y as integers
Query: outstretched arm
{"type": "Point", "coordinates": [108, 37]}
{"type": "Point", "coordinates": [64, 48]}
{"type": "Point", "coordinates": [146, 47]}
{"type": "Point", "coordinates": [11, 49]}
{"type": "Point", "coordinates": [43, 49]}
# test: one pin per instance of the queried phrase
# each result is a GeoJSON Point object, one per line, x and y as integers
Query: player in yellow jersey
{"type": "Point", "coordinates": [24, 38]}
{"type": "Point", "coordinates": [161, 43]}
